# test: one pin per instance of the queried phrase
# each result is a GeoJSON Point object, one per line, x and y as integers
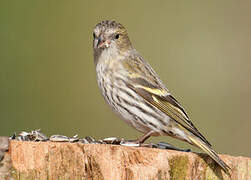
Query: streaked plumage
{"type": "Point", "coordinates": [135, 92]}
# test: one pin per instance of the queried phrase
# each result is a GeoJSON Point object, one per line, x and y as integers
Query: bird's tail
{"type": "Point", "coordinates": [199, 143]}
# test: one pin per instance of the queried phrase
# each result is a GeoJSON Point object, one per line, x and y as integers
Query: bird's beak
{"type": "Point", "coordinates": [103, 43]}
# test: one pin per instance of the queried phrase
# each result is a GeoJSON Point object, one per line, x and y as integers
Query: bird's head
{"type": "Point", "coordinates": [110, 34]}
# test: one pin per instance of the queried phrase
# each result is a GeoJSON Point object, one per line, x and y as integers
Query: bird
{"type": "Point", "coordinates": [135, 92]}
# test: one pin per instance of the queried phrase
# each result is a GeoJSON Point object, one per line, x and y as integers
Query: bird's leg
{"type": "Point", "coordinates": [143, 138]}
{"type": "Point", "coordinates": [139, 141]}
{"type": "Point", "coordinates": [160, 145]}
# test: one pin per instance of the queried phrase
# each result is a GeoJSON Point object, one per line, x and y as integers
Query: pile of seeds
{"type": "Point", "coordinates": [37, 135]}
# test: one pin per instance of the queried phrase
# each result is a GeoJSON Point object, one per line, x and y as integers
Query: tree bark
{"type": "Point", "coordinates": [53, 160]}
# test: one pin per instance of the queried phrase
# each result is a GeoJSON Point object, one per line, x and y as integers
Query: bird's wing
{"type": "Point", "coordinates": [155, 93]}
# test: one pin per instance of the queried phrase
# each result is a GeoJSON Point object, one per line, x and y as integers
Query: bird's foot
{"type": "Point", "coordinates": [138, 143]}
{"type": "Point", "coordinates": [134, 143]}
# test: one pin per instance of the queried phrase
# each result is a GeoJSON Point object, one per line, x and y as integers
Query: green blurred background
{"type": "Point", "coordinates": [201, 51]}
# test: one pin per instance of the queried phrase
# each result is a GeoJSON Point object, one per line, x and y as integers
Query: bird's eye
{"type": "Point", "coordinates": [117, 36]}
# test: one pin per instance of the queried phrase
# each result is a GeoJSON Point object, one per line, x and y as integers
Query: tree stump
{"type": "Point", "coordinates": [54, 160]}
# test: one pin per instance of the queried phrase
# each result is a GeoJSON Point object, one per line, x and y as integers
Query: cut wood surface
{"type": "Point", "coordinates": [54, 160]}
